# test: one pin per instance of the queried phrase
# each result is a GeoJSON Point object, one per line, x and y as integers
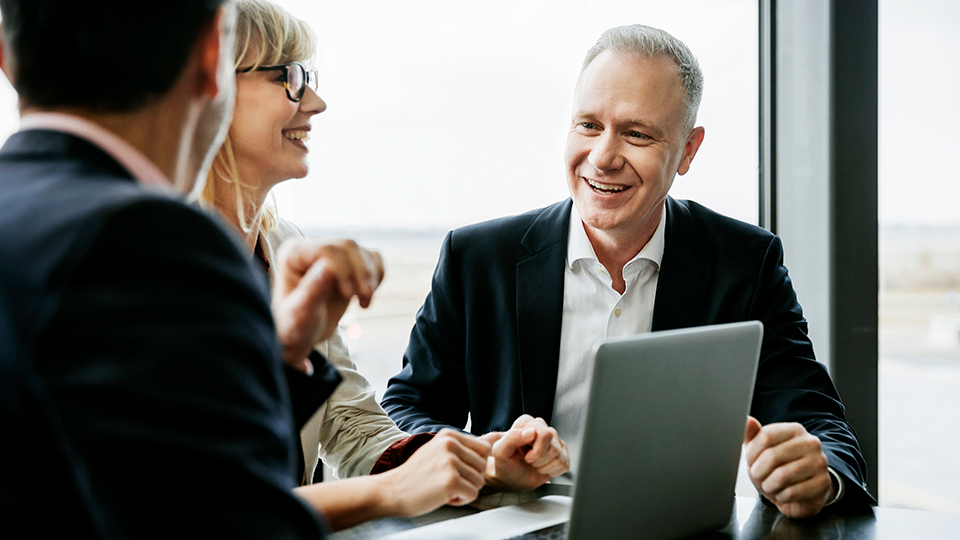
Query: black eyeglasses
{"type": "Point", "coordinates": [296, 78]}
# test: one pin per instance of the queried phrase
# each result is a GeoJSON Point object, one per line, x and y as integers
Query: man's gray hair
{"type": "Point", "coordinates": [653, 42]}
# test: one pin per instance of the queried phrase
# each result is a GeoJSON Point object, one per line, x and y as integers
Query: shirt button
{"type": "Point", "coordinates": [616, 312]}
{"type": "Point", "coordinates": [599, 271]}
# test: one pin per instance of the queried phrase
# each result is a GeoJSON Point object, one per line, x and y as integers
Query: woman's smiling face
{"type": "Point", "coordinates": [269, 131]}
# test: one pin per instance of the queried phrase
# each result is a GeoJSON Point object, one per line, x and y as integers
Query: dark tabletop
{"type": "Point", "coordinates": [750, 520]}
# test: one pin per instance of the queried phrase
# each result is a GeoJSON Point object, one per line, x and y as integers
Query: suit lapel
{"type": "Point", "coordinates": [681, 279]}
{"type": "Point", "coordinates": [540, 308]}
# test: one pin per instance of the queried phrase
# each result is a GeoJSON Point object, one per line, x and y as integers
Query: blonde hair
{"type": "Point", "coordinates": [266, 35]}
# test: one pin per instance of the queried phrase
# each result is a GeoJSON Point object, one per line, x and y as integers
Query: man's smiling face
{"type": "Point", "coordinates": [627, 142]}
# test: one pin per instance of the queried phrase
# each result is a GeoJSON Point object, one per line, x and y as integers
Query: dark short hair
{"type": "Point", "coordinates": [108, 55]}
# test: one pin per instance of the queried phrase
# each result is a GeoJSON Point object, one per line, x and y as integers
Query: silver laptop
{"type": "Point", "coordinates": [661, 442]}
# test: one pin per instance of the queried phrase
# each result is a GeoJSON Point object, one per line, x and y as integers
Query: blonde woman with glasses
{"type": "Point", "coordinates": [275, 104]}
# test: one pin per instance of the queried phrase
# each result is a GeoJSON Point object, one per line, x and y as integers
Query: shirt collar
{"type": "Point", "coordinates": [579, 246]}
{"type": "Point", "coordinates": [137, 164]}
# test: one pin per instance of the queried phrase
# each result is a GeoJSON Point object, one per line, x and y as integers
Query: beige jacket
{"type": "Point", "coordinates": [350, 431]}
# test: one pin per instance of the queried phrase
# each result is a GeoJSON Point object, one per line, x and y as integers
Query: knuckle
{"type": "Point", "coordinates": [770, 486]}
{"type": "Point", "coordinates": [763, 438]}
{"type": "Point", "coordinates": [780, 477]}
{"type": "Point", "coordinates": [449, 444]}
{"type": "Point", "coordinates": [451, 482]}
{"type": "Point", "coordinates": [815, 444]}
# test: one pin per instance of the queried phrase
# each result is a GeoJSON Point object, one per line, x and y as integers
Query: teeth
{"type": "Point", "coordinates": [297, 135]}
{"type": "Point", "coordinates": [606, 188]}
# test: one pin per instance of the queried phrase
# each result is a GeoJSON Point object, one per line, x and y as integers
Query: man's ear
{"type": "Point", "coordinates": [215, 40]}
{"type": "Point", "coordinates": [5, 63]}
{"type": "Point", "coordinates": [690, 149]}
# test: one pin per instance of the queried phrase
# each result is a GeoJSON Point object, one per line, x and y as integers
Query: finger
{"type": "Point", "coordinates": [464, 494]}
{"type": "Point", "coordinates": [328, 263]}
{"type": "Point", "coordinates": [814, 488]}
{"type": "Point", "coordinates": [513, 440]}
{"type": "Point", "coordinates": [294, 257]}
{"type": "Point", "coordinates": [374, 264]}
{"type": "Point", "coordinates": [522, 421]}
{"type": "Point", "coordinates": [470, 474]}
{"type": "Point", "coordinates": [794, 472]}
{"type": "Point", "coordinates": [770, 436]}
{"type": "Point", "coordinates": [479, 445]}
{"type": "Point", "coordinates": [343, 265]}
{"type": "Point", "coordinates": [315, 286]}
{"type": "Point", "coordinates": [553, 468]}
{"type": "Point", "coordinates": [361, 271]}
{"type": "Point", "coordinates": [492, 437]}
{"type": "Point", "coordinates": [753, 428]}
{"type": "Point", "coordinates": [463, 449]}
{"type": "Point", "coordinates": [378, 265]}
{"type": "Point", "coordinates": [563, 458]}
{"type": "Point", "coordinates": [799, 449]}
{"type": "Point", "coordinates": [317, 299]}
{"type": "Point", "coordinates": [545, 448]}
{"type": "Point", "coordinates": [459, 490]}
{"type": "Point", "coordinates": [298, 255]}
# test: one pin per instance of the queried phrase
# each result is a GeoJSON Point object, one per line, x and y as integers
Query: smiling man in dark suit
{"type": "Point", "coordinates": [144, 394]}
{"type": "Point", "coordinates": [517, 304]}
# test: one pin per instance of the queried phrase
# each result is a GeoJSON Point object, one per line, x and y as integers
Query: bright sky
{"type": "Point", "coordinates": [445, 113]}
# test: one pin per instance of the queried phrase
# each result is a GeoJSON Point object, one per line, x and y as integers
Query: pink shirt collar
{"type": "Point", "coordinates": [137, 164]}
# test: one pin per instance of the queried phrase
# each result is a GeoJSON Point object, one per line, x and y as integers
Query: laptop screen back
{"type": "Point", "coordinates": [663, 432]}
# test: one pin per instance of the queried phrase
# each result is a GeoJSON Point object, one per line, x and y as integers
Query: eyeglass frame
{"type": "Point", "coordinates": [308, 74]}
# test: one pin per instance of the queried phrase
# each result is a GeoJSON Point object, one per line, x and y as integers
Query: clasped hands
{"type": "Point", "coordinates": [788, 467]}
{"type": "Point", "coordinates": [454, 466]}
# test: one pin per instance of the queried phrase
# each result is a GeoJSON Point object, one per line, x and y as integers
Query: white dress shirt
{"type": "Point", "coordinates": [592, 311]}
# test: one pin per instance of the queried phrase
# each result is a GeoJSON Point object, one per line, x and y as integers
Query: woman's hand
{"type": "Point", "coordinates": [446, 470]}
{"type": "Point", "coordinates": [313, 285]}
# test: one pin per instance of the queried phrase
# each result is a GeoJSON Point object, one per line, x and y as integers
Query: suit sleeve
{"type": "Point", "coordinates": [430, 392]}
{"type": "Point", "coordinates": [161, 353]}
{"type": "Point", "coordinates": [792, 386]}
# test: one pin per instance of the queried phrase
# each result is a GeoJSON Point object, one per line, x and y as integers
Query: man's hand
{"type": "Point", "coordinates": [446, 470]}
{"type": "Point", "coordinates": [526, 456]}
{"type": "Point", "coordinates": [312, 287]}
{"type": "Point", "coordinates": [788, 467]}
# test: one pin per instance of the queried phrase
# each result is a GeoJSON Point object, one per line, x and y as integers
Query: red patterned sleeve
{"type": "Point", "coordinates": [399, 452]}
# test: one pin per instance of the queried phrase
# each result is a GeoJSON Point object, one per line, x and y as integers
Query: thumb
{"type": "Point", "coordinates": [753, 427]}
{"type": "Point", "coordinates": [513, 440]}
{"type": "Point", "coordinates": [316, 284]}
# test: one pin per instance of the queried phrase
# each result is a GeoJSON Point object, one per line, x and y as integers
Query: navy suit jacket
{"type": "Point", "coordinates": [143, 357]}
{"type": "Point", "coordinates": [487, 339]}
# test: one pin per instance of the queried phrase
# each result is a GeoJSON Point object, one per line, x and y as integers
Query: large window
{"type": "Point", "coordinates": [442, 114]}
{"type": "Point", "coordinates": [446, 113]}
{"type": "Point", "coordinates": [919, 255]}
